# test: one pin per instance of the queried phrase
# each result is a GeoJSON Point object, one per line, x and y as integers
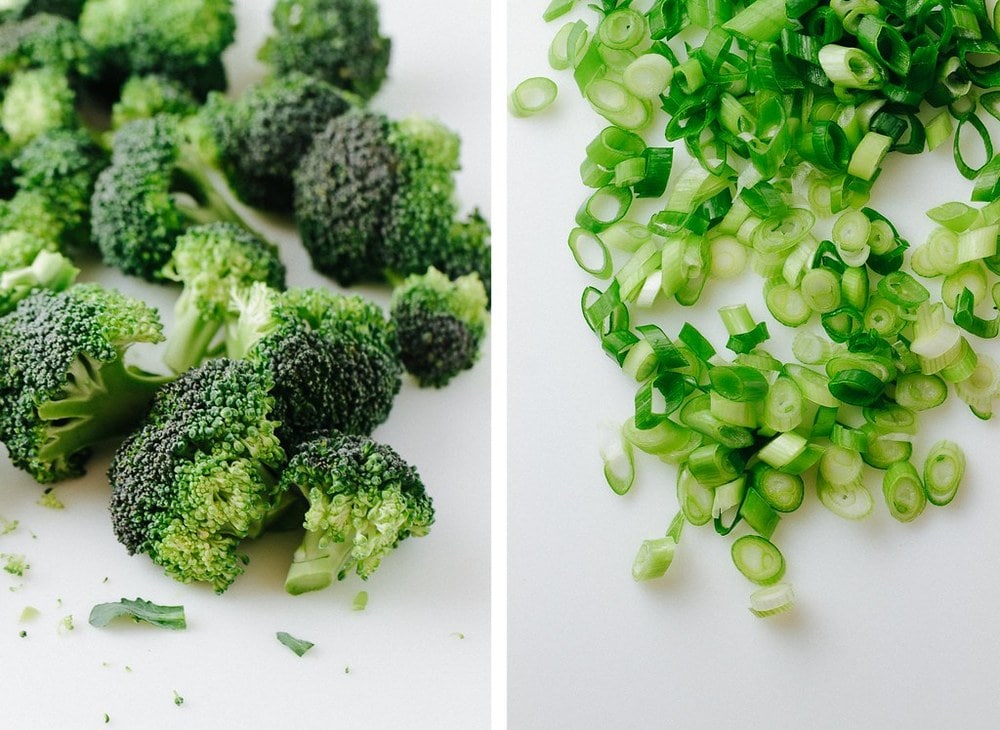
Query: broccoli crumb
{"type": "Point", "coordinates": [107, 718]}
{"type": "Point", "coordinates": [347, 670]}
{"type": "Point", "coordinates": [50, 500]}
{"type": "Point", "coordinates": [22, 633]}
{"type": "Point", "coordinates": [65, 624]}
{"type": "Point", "coordinates": [15, 564]}
{"type": "Point", "coordinates": [361, 601]}
{"type": "Point", "coordinates": [7, 526]}
{"type": "Point", "coordinates": [178, 700]}
{"type": "Point", "coordinates": [458, 634]}
{"type": "Point", "coordinates": [29, 613]}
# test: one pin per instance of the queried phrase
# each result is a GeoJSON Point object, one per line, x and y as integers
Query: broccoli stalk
{"type": "Point", "coordinates": [48, 270]}
{"type": "Point", "coordinates": [214, 263]}
{"type": "Point", "coordinates": [364, 499]}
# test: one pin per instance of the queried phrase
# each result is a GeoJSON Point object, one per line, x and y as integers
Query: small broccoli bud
{"type": "Point", "coordinates": [441, 324]}
{"type": "Point", "coordinates": [364, 499]}
{"type": "Point", "coordinates": [44, 40]}
{"type": "Point", "coordinates": [36, 101]}
{"type": "Point", "coordinates": [143, 97]}
{"type": "Point", "coordinates": [335, 40]}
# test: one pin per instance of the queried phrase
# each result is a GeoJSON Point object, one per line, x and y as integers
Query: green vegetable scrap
{"type": "Point", "coordinates": [299, 646]}
{"type": "Point", "coordinates": [140, 611]}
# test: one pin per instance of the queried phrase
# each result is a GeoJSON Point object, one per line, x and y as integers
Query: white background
{"type": "Point", "coordinates": [401, 663]}
{"type": "Point", "coordinates": [895, 625]}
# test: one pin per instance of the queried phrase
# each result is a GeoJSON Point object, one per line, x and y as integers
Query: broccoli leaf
{"type": "Point", "coordinates": [166, 617]}
{"type": "Point", "coordinates": [299, 646]}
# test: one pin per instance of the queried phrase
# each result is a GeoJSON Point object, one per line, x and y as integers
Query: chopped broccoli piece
{"type": "Point", "coordinates": [36, 101]}
{"type": "Point", "coordinates": [214, 262]}
{"type": "Point", "coordinates": [66, 386]}
{"type": "Point", "coordinates": [62, 167]}
{"type": "Point", "coordinates": [49, 270]}
{"type": "Point", "coordinates": [200, 474]}
{"type": "Point", "coordinates": [299, 646]}
{"type": "Point", "coordinates": [139, 610]}
{"type": "Point", "coordinates": [363, 501]}
{"type": "Point", "coordinates": [374, 197]}
{"type": "Point", "coordinates": [334, 358]}
{"type": "Point", "coordinates": [263, 133]}
{"type": "Point", "coordinates": [15, 564]}
{"type": "Point", "coordinates": [143, 97]}
{"type": "Point", "coordinates": [44, 40]}
{"type": "Point", "coordinates": [335, 40]}
{"type": "Point", "coordinates": [183, 39]}
{"type": "Point", "coordinates": [160, 181]}
{"type": "Point", "coordinates": [440, 323]}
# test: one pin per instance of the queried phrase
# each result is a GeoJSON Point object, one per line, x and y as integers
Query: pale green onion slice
{"type": "Point", "coordinates": [736, 413]}
{"type": "Point", "coordinates": [904, 494]}
{"type": "Point", "coordinates": [977, 243]}
{"type": "Point", "coordinates": [590, 253]}
{"type": "Point", "coordinates": [629, 172]}
{"type": "Point", "coordinates": [852, 500]}
{"type": "Point", "coordinates": [980, 389]}
{"type": "Point", "coordinates": [654, 558]}
{"type": "Point", "coordinates": [626, 235]}
{"type": "Point", "coordinates": [728, 257]}
{"type": "Point", "coordinates": [612, 145]}
{"type": "Point", "coordinates": [787, 305]}
{"type": "Point", "coordinates": [815, 386]}
{"type": "Point", "coordinates": [664, 437]}
{"type": "Point", "coordinates": [868, 155]}
{"type": "Point", "coordinates": [758, 559]}
{"type": "Point", "coordinates": [783, 492]}
{"type": "Point", "coordinates": [695, 499]}
{"type": "Point", "coordinates": [841, 466]}
{"type": "Point", "coordinates": [532, 96]}
{"type": "Point", "coordinates": [772, 600]}
{"type": "Point", "coordinates": [623, 28]}
{"type": "Point", "coordinates": [619, 464]}
{"type": "Point", "coordinates": [954, 216]}
{"type": "Point", "coordinates": [811, 349]}
{"type": "Point", "coordinates": [557, 8]}
{"type": "Point", "coordinates": [920, 392]}
{"type": "Point", "coordinates": [727, 500]}
{"type": "Point", "coordinates": [648, 76]}
{"type": "Point", "coordinates": [850, 68]}
{"type": "Point", "coordinates": [782, 410]}
{"type": "Point", "coordinates": [882, 453]}
{"type": "Point", "coordinates": [821, 290]}
{"type": "Point", "coordinates": [783, 449]}
{"type": "Point", "coordinates": [938, 129]}
{"type": "Point", "coordinates": [971, 276]}
{"type": "Point", "coordinates": [636, 115]}
{"type": "Point", "coordinates": [605, 206]}
{"type": "Point", "coordinates": [944, 468]}
{"type": "Point", "coordinates": [561, 56]}
{"type": "Point", "coordinates": [607, 96]}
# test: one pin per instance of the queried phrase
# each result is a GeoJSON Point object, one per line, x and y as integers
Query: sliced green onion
{"type": "Point", "coordinates": [532, 96]}
{"type": "Point", "coordinates": [619, 465]}
{"type": "Point", "coordinates": [944, 468]}
{"type": "Point", "coordinates": [904, 494]}
{"type": "Point", "coordinates": [772, 600]}
{"type": "Point", "coordinates": [841, 466]}
{"type": "Point", "coordinates": [607, 205]}
{"type": "Point", "coordinates": [626, 235]}
{"type": "Point", "coordinates": [664, 437]}
{"type": "Point", "coordinates": [622, 28]}
{"type": "Point", "coordinates": [758, 559]}
{"type": "Point", "coordinates": [590, 253]}
{"type": "Point", "coordinates": [787, 305]}
{"type": "Point", "coordinates": [653, 559]}
{"type": "Point", "coordinates": [738, 383]}
{"type": "Point", "coordinates": [821, 290]}
{"type": "Point", "coordinates": [728, 257]}
{"type": "Point", "coordinates": [758, 514]}
{"type": "Point", "coordinates": [868, 155]}
{"type": "Point", "coordinates": [612, 145]}
{"type": "Point", "coordinates": [851, 68]}
{"type": "Point", "coordinates": [714, 465]}
{"type": "Point", "coordinates": [884, 452]}
{"type": "Point", "coordinates": [695, 499]}
{"type": "Point", "coordinates": [920, 392]}
{"type": "Point", "coordinates": [980, 389]}
{"type": "Point", "coordinates": [557, 8]}
{"type": "Point", "coordinates": [852, 500]}
{"type": "Point", "coordinates": [648, 75]}
{"type": "Point", "coordinates": [784, 492]}
{"type": "Point", "coordinates": [902, 289]}
{"type": "Point", "coordinates": [782, 411]}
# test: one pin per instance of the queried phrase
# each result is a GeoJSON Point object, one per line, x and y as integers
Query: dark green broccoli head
{"type": "Point", "coordinates": [62, 166]}
{"type": "Point", "coordinates": [66, 386]}
{"type": "Point", "coordinates": [364, 499]}
{"type": "Point", "coordinates": [262, 134]}
{"type": "Point", "coordinates": [441, 324]}
{"type": "Point", "coordinates": [335, 40]}
{"type": "Point", "coordinates": [468, 250]}
{"type": "Point", "coordinates": [199, 476]}
{"type": "Point", "coordinates": [17, 9]}
{"type": "Point", "coordinates": [44, 40]}
{"type": "Point", "coordinates": [334, 358]}
{"type": "Point", "coordinates": [344, 186]}
{"type": "Point", "coordinates": [373, 196]}
{"type": "Point", "coordinates": [156, 186]}
{"type": "Point", "coordinates": [183, 39]}
{"type": "Point", "coordinates": [215, 263]}
{"type": "Point", "coordinates": [37, 100]}
{"type": "Point", "coordinates": [143, 97]}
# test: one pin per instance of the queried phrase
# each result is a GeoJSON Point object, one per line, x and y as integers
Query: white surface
{"type": "Point", "coordinates": [895, 625]}
{"type": "Point", "coordinates": [408, 665]}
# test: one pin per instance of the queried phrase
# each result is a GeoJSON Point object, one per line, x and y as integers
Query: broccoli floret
{"type": "Point", "coordinates": [469, 251]}
{"type": "Point", "coordinates": [18, 248]}
{"type": "Point", "coordinates": [62, 167]}
{"type": "Point", "coordinates": [14, 9]}
{"type": "Point", "coordinates": [335, 40]}
{"type": "Point", "coordinates": [200, 475]}
{"type": "Point", "coordinates": [334, 358]}
{"type": "Point", "coordinates": [364, 499]}
{"type": "Point", "coordinates": [143, 97]}
{"type": "Point", "coordinates": [440, 323]}
{"type": "Point", "coordinates": [66, 386]}
{"type": "Point", "coordinates": [49, 270]}
{"type": "Point", "coordinates": [262, 134]}
{"type": "Point", "coordinates": [36, 101]}
{"type": "Point", "coordinates": [214, 262]}
{"type": "Point", "coordinates": [374, 196]}
{"type": "Point", "coordinates": [159, 182]}
{"type": "Point", "coordinates": [44, 40]}
{"type": "Point", "coordinates": [183, 39]}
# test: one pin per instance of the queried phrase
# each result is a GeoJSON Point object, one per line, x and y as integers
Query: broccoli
{"type": "Point", "coordinates": [44, 40]}
{"type": "Point", "coordinates": [66, 386]}
{"type": "Point", "coordinates": [183, 39]}
{"type": "Point", "coordinates": [468, 251]}
{"type": "Point", "coordinates": [15, 9]}
{"type": "Point", "coordinates": [60, 168]}
{"type": "Point", "coordinates": [374, 197]}
{"type": "Point", "coordinates": [364, 499]}
{"type": "Point", "coordinates": [440, 323]}
{"type": "Point", "coordinates": [160, 181]}
{"type": "Point", "coordinates": [37, 100]}
{"type": "Point", "coordinates": [335, 40]}
{"type": "Point", "coordinates": [334, 358]}
{"type": "Point", "coordinates": [143, 97]}
{"type": "Point", "coordinates": [201, 473]}
{"type": "Point", "coordinates": [263, 133]}
{"type": "Point", "coordinates": [48, 270]}
{"type": "Point", "coordinates": [214, 262]}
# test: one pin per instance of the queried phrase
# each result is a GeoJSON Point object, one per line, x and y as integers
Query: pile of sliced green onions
{"type": "Point", "coordinates": [788, 110]}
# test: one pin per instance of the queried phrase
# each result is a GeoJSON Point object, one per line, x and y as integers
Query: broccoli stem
{"type": "Point", "coordinates": [313, 567]}
{"type": "Point", "coordinates": [192, 336]}
{"type": "Point", "coordinates": [101, 400]}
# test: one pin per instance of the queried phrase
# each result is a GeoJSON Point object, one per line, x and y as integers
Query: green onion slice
{"type": "Point", "coordinates": [851, 500]}
{"type": "Point", "coordinates": [944, 468]}
{"type": "Point", "coordinates": [758, 559]}
{"type": "Point", "coordinates": [904, 494]}
{"type": "Point", "coordinates": [772, 600]}
{"type": "Point", "coordinates": [532, 95]}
